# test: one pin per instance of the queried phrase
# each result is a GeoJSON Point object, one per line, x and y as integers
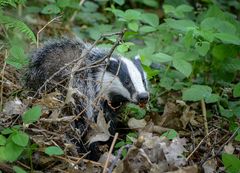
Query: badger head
{"type": "Point", "coordinates": [125, 81]}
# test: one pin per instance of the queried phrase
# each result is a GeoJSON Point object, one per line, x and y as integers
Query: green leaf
{"type": "Point", "coordinates": [119, 2]}
{"type": "Point", "coordinates": [182, 25]}
{"type": "Point", "coordinates": [120, 144]}
{"type": "Point", "coordinates": [226, 112]}
{"type": "Point", "coordinates": [3, 140]}
{"type": "Point", "coordinates": [32, 115]}
{"type": "Point", "coordinates": [20, 138]}
{"type": "Point", "coordinates": [17, 57]}
{"type": "Point", "coordinates": [11, 151]}
{"type": "Point", "coordinates": [237, 138]}
{"type": "Point", "coordinates": [183, 66]}
{"type": "Point", "coordinates": [51, 9]}
{"type": "Point", "coordinates": [11, 22]}
{"type": "Point", "coordinates": [170, 134]}
{"type": "Point", "coordinates": [231, 163]}
{"type": "Point", "coordinates": [166, 83]}
{"type": "Point", "coordinates": [236, 90]}
{"type": "Point", "coordinates": [168, 9]}
{"type": "Point", "coordinates": [147, 29]}
{"type": "Point", "coordinates": [122, 48]}
{"type": "Point", "coordinates": [132, 15]}
{"type": "Point", "coordinates": [151, 19]}
{"type": "Point", "coordinates": [212, 98]}
{"type": "Point", "coordinates": [133, 26]}
{"type": "Point", "coordinates": [54, 150]}
{"type": "Point", "coordinates": [7, 131]}
{"type": "Point", "coordinates": [196, 93]}
{"type": "Point", "coordinates": [184, 8]}
{"type": "Point", "coordinates": [203, 47]}
{"type": "Point", "coordinates": [228, 38]}
{"type": "Point", "coordinates": [18, 169]}
{"type": "Point", "coordinates": [161, 57]}
{"type": "Point", "coordinates": [63, 3]}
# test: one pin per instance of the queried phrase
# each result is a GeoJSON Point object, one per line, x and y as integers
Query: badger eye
{"type": "Point", "coordinates": [127, 81]}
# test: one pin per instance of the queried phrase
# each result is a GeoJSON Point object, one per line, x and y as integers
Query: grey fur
{"type": "Point", "coordinates": [56, 54]}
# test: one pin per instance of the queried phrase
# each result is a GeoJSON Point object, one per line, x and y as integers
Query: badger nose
{"type": "Point", "coordinates": [142, 97]}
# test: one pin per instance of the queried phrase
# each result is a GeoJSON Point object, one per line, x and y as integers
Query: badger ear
{"type": "Point", "coordinates": [113, 65]}
{"type": "Point", "coordinates": [137, 61]}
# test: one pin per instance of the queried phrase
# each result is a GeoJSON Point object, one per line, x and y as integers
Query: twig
{"type": "Point", "coordinates": [109, 153]}
{"type": "Point", "coordinates": [75, 12]}
{"type": "Point", "coordinates": [229, 139]}
{"type": "Point", "coordinates": [200, 144]}
{"type": "Point", "coordinates": [221, 147]}
{"type": "Point", "coordinates": [2, 73]}
{"type": "Point", "coordinates": [38, 33]}
{"type": "Point", "coordinates": [204, 112]}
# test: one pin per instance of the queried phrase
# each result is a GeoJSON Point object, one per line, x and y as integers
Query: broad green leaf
{"type": "Point", "coordinates": [90, 6]}
{"type": "Point", "coordinates": [228, 38]}
{"type": "Point", "coordinates": [215, 24]}
{"type": "Point", "coordinates": [122, 48]}
{"type": "Point", "coordinates": [150, 3]}
{"type": "Point", "coordinates": [226, 112]}
{"type": "Point", "coordinates": [63, 3]}
{"type": "Point", "coordinates": [20, 138]}
{"type": "Point", "coordinates": [161, 57]}
{"type": "Point", "coordinates": [237, 138]}
{"type": "Point", "coordinates": [170, 134]}
{"type": "Point", "coordinates": [203, 47]}
{"type": "Point", "coordinates": [183, 66]}
{"type": "Point", "coordinates": [168, 8]}
{"type": "Point", "coordinates": [150, 18]}
{"type": "Point", "coordinates": [3, 140]}
{"type": "Point", "coordinates": [236, 90]}
{"type": "Point", "coordinates": [184, 8]}
{"type": "Point", "coordinates": [18, 169]}
{"type": "Point", "coordinates": [231, 163]}
{"type": "Point", "coordinates": [6, 131]}
{"type": "Point", "coordinates": [119, 144]}
{"type": "Point", "coordinates": [51, 9]}
{"type": "Point", "coordinates": [188, 39]}
{"type": "Point", "coordinates": [147, 29]}
{"type": "Point", "coordinates": [196, 93]}
{"type": "Point", "coordinates": [17, 57]}
{"type": "Point", "coordinates": [119, 2]}
{"type": "Point", "coordinates": [133, 26]}
{"type": "Point", "coordinates": [182, 25]}
{"type": "Point", "coordinates": [132, 15]}
{"type": "Point", "coordinates": [212, 98]}
{"type": "Point", "coordinates": [166, 83]}
{"type": "Point", "coordinates": [54, 150]}
{"type": "Point", "coordinates": [12, 151]}
{"type": "Point", "coordinates": [32, 115]}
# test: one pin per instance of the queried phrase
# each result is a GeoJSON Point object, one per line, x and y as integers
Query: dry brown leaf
{"type": "Point", "coordinates": [229, 148]}
{"type": "Point", "coordinates": [14, 107]}
{"type": "Point", "coordinates": [210, 166]}
{"type": "Point", "coordinates": [133, 123]}
{"type": "Point", "coordinates": [100, 130]}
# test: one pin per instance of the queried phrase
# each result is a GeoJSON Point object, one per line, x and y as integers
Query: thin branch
{"type": "Point", "coordinates": [109, 153]}
{"type": "Point", "coordinates": [38, 33]}
{"type": "Point", "coordinates": [190, 155]}
{"type": "Point", "coordinates": [204, 112]}
{"type": "Point", "coordinates": [2, 74]}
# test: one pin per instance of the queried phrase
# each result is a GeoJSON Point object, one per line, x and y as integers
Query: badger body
{"type": "Point", "coordinates": [99, 87]}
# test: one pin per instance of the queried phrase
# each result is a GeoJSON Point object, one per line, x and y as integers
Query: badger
{"type": "Point", "coordinates": [99, 87]}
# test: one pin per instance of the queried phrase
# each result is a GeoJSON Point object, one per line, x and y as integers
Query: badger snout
{"type": "Point", "coordinates": [142, 98]}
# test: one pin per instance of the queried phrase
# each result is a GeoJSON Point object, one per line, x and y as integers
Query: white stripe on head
{"type": "Point", "coordinates": [135, 75]}
{"type": "Point", "coordinates": [112, 83]}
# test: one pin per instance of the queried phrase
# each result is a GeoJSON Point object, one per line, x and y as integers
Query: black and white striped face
{"type": "Point", "coordinates": [125, 80]}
